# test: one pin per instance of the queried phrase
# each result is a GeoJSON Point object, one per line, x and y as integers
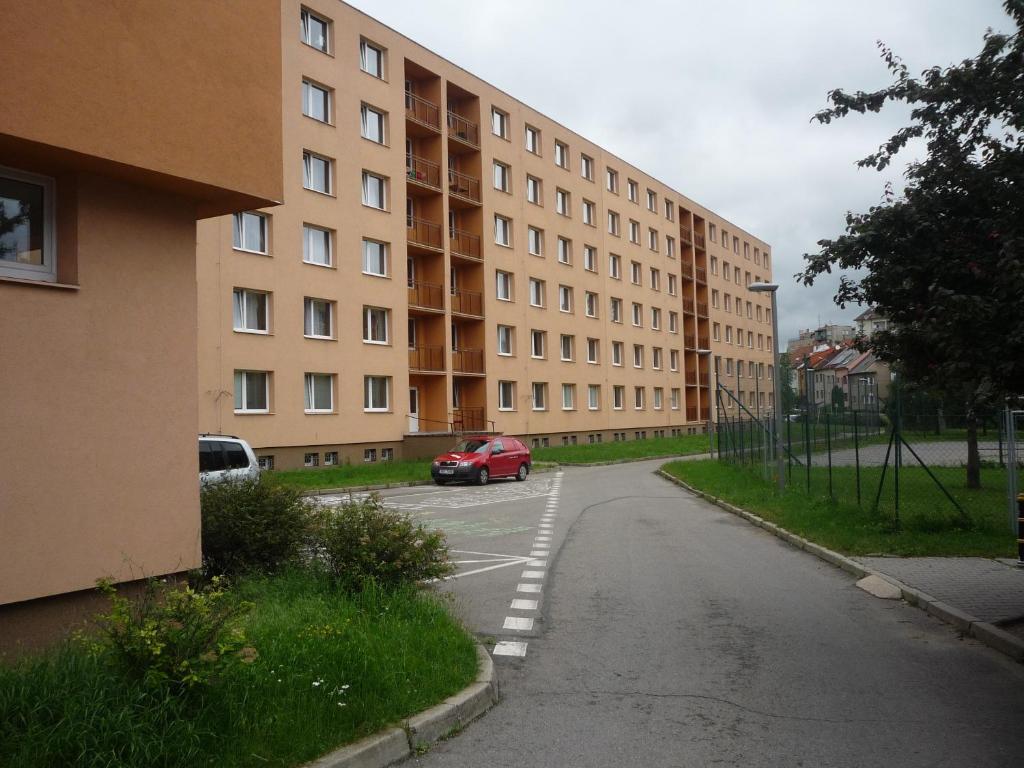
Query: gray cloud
{"type": "Point", "coordinates": [714, 98]}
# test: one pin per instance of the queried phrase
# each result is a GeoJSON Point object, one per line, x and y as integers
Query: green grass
{"type": "Point", "coordinates": [348, 475]}
{"type": "Point", "coordinates": [928, 522]}
{"type": "Point", "coordinates": [331, 669]}
{"type": "Point", "coordinates": [630, 449]}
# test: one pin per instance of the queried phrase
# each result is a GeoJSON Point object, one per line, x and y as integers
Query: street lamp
{"type": "Point", "coordinates": [706, 353]}
{"type": "Point", "coordinates": [773, 289]}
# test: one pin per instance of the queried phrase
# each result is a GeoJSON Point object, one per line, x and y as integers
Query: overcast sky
{"type": "Point", "coordinates": [714, 97]}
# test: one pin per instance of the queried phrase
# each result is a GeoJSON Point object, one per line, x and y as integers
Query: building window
{"type": "Point", "coordinates": [617, 351]}
{"type": "Point", "coordinates": [564, 251]}
{"type": "Point", "coordinates": [673, 322]}
{"type": "Point", "coordinates": [251, 311]}
{"type": "Point", "coordinates": [712, 233]}
{"type": "Point", "coordinates": [375, 325]}
{"type": "Point", "coordinates": [317, 246]}
{"type": "Point", "coordinates": [670, 247]}
{"type": "Point", "coordinates": [566, 344]}
{"type": "Point", "coordinates": [652, 201]}
{"type": "Point", "coordinates": [501, 176]}
{"type": "Point", "coordinates": [506, 395]}
{"type": "Point", "coordinates": [499, 123]}
{"type": "Point", "coordinates": [533, 140]}
{"type": "Point", "coordinates": [716, 332]}
{"type": "Point", "coordinates": [568, 397]}
{"type": "Point", "coordinates": [638, 315]}
{"type": "Point", "coordinates": [656, 358]}
{"type": "Point", "coordinates": [561, 155]}
{"type": "Point", "coordinates": [375, 258]}
{"type": "Point", "coordinates": [387, 454]}
{"type": "Point", "coordinates": [252, 391]}
{"type": "Point", "coordinates": [266, 462]}
{"type": "Point", "coordinates": [670, 210]}
{"type": "Point", "coordinates": [672, 285]}
{"type": "Point", "coordinates": [673, 359]}
{"type": "Point", "coordinates": [319, 393]}
{"type": "Point", "coordinates": [612, 180]}
{"type": "Point", "coordinates": [316, 101]}
{"type": "Point", "coordinates": [505, 336]}
{"type": "Point", "coordinates": [588, 213]}
{"type": "Point", "coordinates": [503, 285]}
{"type": "Point", "coordinates": [562, 202]}
{"type": "Point", "coordinates": [534, 241]}
{"type": "Point", "coordinates": [675, 398]}
{"type": "Point", "coordinates": [317, 173]}
{"type": "Point", "coordinates": [250, 230]}
{"type": "Point", "coordinates": [533, 190]}
{"type": "Point", "coordinates": [652, 239]}
{"type": "Point", "coordinates": [618, 399]}
{"type": "Point", "coordinates": [590, 258]}
{"type": "Point", "coordinates": [502, 230]}
{"type": "Point", "coordinates": [536, 292]}
{"type": "Point", "coordinates": [371, 59]}
{"type": "Point", "coordinates": [594, 397]}
{"type": "Point", "coordinates": [614, 266]}
{"type": "Point", "coordinates": [373, 125]}
{"type": "Point", "coordinates": [537, 344]}
{"type": "Point", "coordinates": [616, 310]}
{"type": "Point", "coordinates": [376, 391]}
{"type": "Point", "coordinates": [319, 318]}
{"type": "Point", "coordinates": [564, 298]}
{"type": "Point", "coordinates": [28, 241]}
{"type": "Point", "coordinates": [659, 394]}
{"type": "Point", "coordinates": [593, 350]}
{"type": "Point", "coordinates": [316, 31]}
{"type": "Point", "coordinates": [635, 273]}
{"type": "Point", "coordinates": [633, 191]}
{"type": "Point", "coordinates": [655, 318]}
{"type": "Point", "coordinates": [587, 167]}
{"type": "Point", "coordinates": [540, 396]}
{"type": "Point", "coordinates": [374, 191]}
{"type": "Point", "coordinates": [634, 231]}
{"type": "Point", "coordinates": [638, 398]}
{"type": "Point", "coordinates": [638, 356]}
{"type": "Point", "coordinates": [613, 223]}
{"type": "Point", "coordinates": [590, 301]}
{"type": "Point", "coordinates": [311, 460]}
{"type": "Point", "coordinates": [330, 458]}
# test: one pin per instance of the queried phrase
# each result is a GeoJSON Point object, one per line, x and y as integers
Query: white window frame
{"type": "Point", "coordinates": [365, 48]}
{"type": "Point", "coordinates": [502, 230]}
{"type": "Point", "coordinates": [537, 344]}
{"type": "Point", "coordinates": [384, 253]}
{"type": "Point", "coordinates": [309, 231]}
{"type": "Point", "coordinates": [314, 93]}
{"type": "Point", "coordinates": [561, 154]}
{"type": "Point", "coordinates": [381, 122]}
{"type": "Point", "coordinates": [639, 398]}
{"type": "Point", "coordinates": [593, 397]}
{"type": "Point", "coordinates": [568, 403]}
{"type": "Point", "coordinates": [535, 241]}
{"type": "Point", "coordinates": [540, 403]}
{"type": "Point", "coordinates": [240, 383]}
{"type": "Point", "coordinates": [614, 266]}
{"type": "Point", "coordinates": [565, 299]}
{"type": "Point", "coordinates": [240, 228]}
{"type": "Point", "coordinates": [562, 202]}
{"type": "Point", "coordinates": [240, 308]}
{"type": "Point", "coordinates": [506, 343]}
{"type": "Point", "coordinates": [307, 172]}
{"type": "Point", "coordinates": [369, 406]}
{"type": "Point", "coordinates": [590, 258]}
{"type": "Point", "coordinates": [502, 279]}
{"type": "Point", "coordinates": [536, 292]}
{"type": "Point", "coordinates": [311, 406]}
{"type": "Point", "coordinates": [506, 395]}
{"type": "Point", "coordinates": [618, 397]}
{"type": "Point", "coordinates": [659, 398]}
{"type": "Point", "coordinates": [587, 167]}
{"type": "Point", "coordinates": [618, 349]}
{"type": "Point", "coordinates": [532, 139]}
{"type": "Point", "coordinates": [564, 251]}
{"type": "Point", "coordinates": [308, 305]}
{"type": "Point", "coordinates": [566, 347]}
{"type": "Point", "coordinates": [381, 183]}
{"type": "Point", "coordinates": [499, 120]}
{"type": "Point", "coordinates": [304, 18]}
{"type": "Point", "coordinates": [369, 325]}
{"type": "Point", "coordinates": [502, 176]}
{"type": "Point", "coordinates": [590, 301]}
{"type": "Point", "coordinates": [594, 351]}
{"type": "Point", "coordinates": [47, 271]}
{"type": "Point", "coordinates": [533, 190]}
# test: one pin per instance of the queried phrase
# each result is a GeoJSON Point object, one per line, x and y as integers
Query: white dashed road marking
{"type": "Point", "coordinates": [517, 623]}
{"type": "Point", "coordinates": [524, 605]}
{"type": "Point", "coordinates": [529, 588]}
{"type": "Point", "coordinates": [510, 648]}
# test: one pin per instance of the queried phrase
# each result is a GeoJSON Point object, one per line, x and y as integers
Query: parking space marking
{"type": "Point", "coordinates": [529, 588]}
{"type": "Point", "coordinates": [517, 623]}
{"type": "Point", "coordinates": [532, 575]}
{"type": "Point", "coordinates": [510, 648]}
{"type": "Point", "coordinates": [524, 605]}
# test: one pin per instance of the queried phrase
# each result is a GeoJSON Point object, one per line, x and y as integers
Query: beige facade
{"type": "Point", "coordinates": [118, 131]}
{"type": "Point", "coordinates": [590, 239]}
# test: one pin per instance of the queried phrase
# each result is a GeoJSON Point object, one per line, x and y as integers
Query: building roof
{"type": "Point", "coordinates": [868, 314]}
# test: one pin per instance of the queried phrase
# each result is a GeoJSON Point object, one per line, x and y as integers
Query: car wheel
{"type": "Point", "coordinates": [439, 481]}
{"type": "Point", "coordinates": [483, 476]}
{"type": "Point", "coordinates": [523, 472]}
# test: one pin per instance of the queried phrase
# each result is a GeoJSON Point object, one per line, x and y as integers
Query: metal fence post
{"type": "Point", "coordinates": [828, 445]}
{"type": "Point", "coordinates": [789, 448]}
{"type": "Point", "coordinates": [1011, 463]}
{"type": "Point", "coordinates": [807, 447]}
{"type": "Point", "coordinates": [856, 456]}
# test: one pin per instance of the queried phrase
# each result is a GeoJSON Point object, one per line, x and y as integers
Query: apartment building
{"type": "Point", "coordinates": [119, 130]}
{"type": "Point", "coordinates": [449, 260]}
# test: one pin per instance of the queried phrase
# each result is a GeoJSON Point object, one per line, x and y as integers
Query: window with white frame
{"type": "Point", "coordinates": [635, 273]}
{"type": "Point", "coordinates": [534, 241]}
{"type": "Point", "coordinates": [503, 285]}
{"type": "Point", "coordinates": [505, 338]}
{"type": "Point", "coordinates": [506, 395]}
{"type": "Point", "coordinates": [714, 298]}
{"type": "Point", "coordinates": [634, 231]}
{"type": "Point", "coordinates": [590, 258]}
{"type": "Point", "coordinates": [373, 124]}
{"type": "Point", "coordinates": [656, 358]}
{"type": "Point", "coordinates": [319, 318]}
{"type": "Point", "coordinates": [375, 258]}
{"type": "Point", "coordinates": [617, 352]}
{"type": "Point", "coordinates": [533, 143]}
{"type": "Point", "coordinates": [561, 155]}
{"type": "Point", "coordinates": [376, 393]}
{"type": "Point", "coordinates": [252, 391]}
{"type": "Point", "coordinates": [317, 245]}
{"type": "Point", "coordinates": [593, 350]}
{"type": "Point", "coordinates": [28, 247]}
{"type": "Point", "coordinates": [638, 398]}
{"type": "Point", "coordinates": [670, 210]}
{"type": "Point", "coordinates": [612, 180]}
{"type": "Point", "coordinates": [590, 303]}
{"type": "Point", "coordinates": [587, 167]}
{"type": "Point", "coordinates": [716, 332]}
{"type": "Point", "coordinates": [589, 213]}
{"type": "Point", "coordinates": [568, 397]}
{"type": "Point", "coordinates": [673, 322]}
{"type": "Point", "coordinates": [319, 393]}
{"type": "Point", "coordinates": [652, 239]}
{"type": "Point", "coordinates": [613, 223]}
{"type": "Point", "coordinates": [615, 307]}
{"type": "Point", "coordinates": [561, 202]}
{"type": "Point", "coordinates": [533, 190]}
{"type": "Point", "coordinates": [564, 298]}
{"type": "Point", "coordinates": [656, 318]}
{"type": "Point", "coordinates": [499, 122]}
{"type": "Point", "coordinates": [652, 201]}
{"type": "Point", "coordinates": [540, 395]}
{"type": "Point", "coordinates": [375, 325]}
{"type": "Point", "coordinates": [502, 174]}
{"type": "Point", "coordinates": [537, 343]}
{"type": "Point", "coordinates": [655, 279]}
{"type": "Point", "coordinates": [316, 101]}
{"type": "Point", "coordinates": [317, 173]}
{"type": "Point", "coordinates": [618, 397]}
{"type": "Point", "coordinates": [502, 230]}
{"type": "Point", "coordinates": [614, 266]}
{"type": "Point", "coordinates": [726, 272]}
{"type": "Point", "coordinates": [316, 30]}
{"type": "Point", "coordinates": [564, 250]}
{"type": "Point", "coordinates": [250, 311]}
{"type": "Point", "coordinates": [374, 191]}
{"type": "Point", "coordinates": [670, 246]}
{"type": "Point", "coordinates": [371, 59]}
{"type": "Point", "coordinates": [659, 395]}
{"type": "Point", "coordinates": [675, 398]}
{"type": "Point", "coordinates": [673, 359]}
{"type": "Point", "coordinates": [536, 292]}
{"type": "Point", "coordinates": [638, 314]}
{"type": "Point", "coordinates": [735, 245]}
{"type": "Point", "coordinates": [712, 233]}
{"type": "Point", "coordinates": [638, 355]}
{"type": "Point", "coordinates": [567, 344]}
{"type": "Point", "coordinates": [673, 287]}
{"type": "Point", "coordinates": [250, 230]}
{"type": "Point", "coordinates": [633, 191]}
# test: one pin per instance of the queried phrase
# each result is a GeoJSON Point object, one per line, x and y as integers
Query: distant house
{"type": "Point", "coordinates": [870, 321]}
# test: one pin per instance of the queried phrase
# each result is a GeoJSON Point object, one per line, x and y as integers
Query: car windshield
{"type": "Point", "coordinates": [471, 446]}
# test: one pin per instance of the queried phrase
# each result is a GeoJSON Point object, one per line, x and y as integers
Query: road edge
{"type": "Point", "coordinates": [419, 732]}
{"type": "Point", "coordinates": [983, 631]}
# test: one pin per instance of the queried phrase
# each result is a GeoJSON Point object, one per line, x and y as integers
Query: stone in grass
{"type": "Point", "coordinates": [879, 587]}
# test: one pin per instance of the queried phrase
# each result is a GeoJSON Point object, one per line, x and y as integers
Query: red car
{"type": "Point", "coordinates": [478, 459]}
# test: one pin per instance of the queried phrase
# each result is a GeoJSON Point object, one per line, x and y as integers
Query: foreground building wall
{"type": "Point", "coordinates": [108, 154]}
{"type": "Point", "coordinates": [450, 259]}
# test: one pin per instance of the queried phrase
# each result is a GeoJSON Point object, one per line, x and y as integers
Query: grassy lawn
{"type": "Point", "coordinates": [630, 449]}
{"type": "Point", "coordinates": [929, 524]}
{"type": "Point", "coordinates": [346, 475]}
{"type": "Point", "coordinates": [331, 668]}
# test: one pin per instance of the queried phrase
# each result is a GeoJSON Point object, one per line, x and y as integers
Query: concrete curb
{"type": "Point", "coordinates": [439, 722]}
{"type": "Point", "coordinates": [678, 456]}
{"type": "Point", "coordinates": [987, 633]}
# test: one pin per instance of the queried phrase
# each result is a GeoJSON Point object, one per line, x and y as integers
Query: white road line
{"type": "Point", "coordinates": [524, 605]}
{"type": "Point", "coordinates": [532, 575]}
{"type": "Point", "coordinates": [529, 588]}
{"type": "Point", "coordinates": [537, 563]}
{"type": "Point", "coordinates": [484, 570]}
{"type": "Point", "coordinates": [518, 624]}
{"type": "Point", "coordinates": [539, 553]}
{"type": "Point", "coordinates": [495, 555]}
{"type": "Point", "coordinates": [542, 538]}
{"type": "Point", "coordinates": [509, 648]}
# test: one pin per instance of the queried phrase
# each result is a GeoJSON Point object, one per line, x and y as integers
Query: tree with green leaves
{"type": "Point", "coordinates": [944, 258]}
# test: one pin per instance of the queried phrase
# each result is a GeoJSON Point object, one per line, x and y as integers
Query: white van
{"type": "Point", "coordinates": [225, 458]}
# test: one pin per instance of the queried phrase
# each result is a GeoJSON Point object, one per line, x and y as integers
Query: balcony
{"type": "Point", "coordinates": [464, 244]}
{"type": "Point", "coordinates": [421, 171]}
{"type": "Point", "coordinates": [702, 309]}
{"type": "Point", "coordinates": [467, 360]}
{"type": "Point", "coordinates": [469, 419]}
{"type": "Point", "coordinates": [691, 379]}
{"type": "Point", "coordinates": [705, 380]}
{"type": "Point", "coordinates": [691, 413]}
{"type": "Point", "coordinates": [701, 274]}
{"type": "Point", "coordinates": [426, 358]}
{"type": "Point", "coordinates": [698, 240]}
{"type": "Point", "coordinates": [688, 306]}
{"type": "Point", "coordinates": [426, 296]}
{"type": "Point", "coordinates": [463, 186]}
{"type": "Point", "coordinates": [424, 233]}
{"type": "Point", "coordinates": [462, 129]}
{"type": "Point", "coordinates": [422, 112]}
{"type": "Point", "coordinates": [690, 341]}
{"type": "Point", "coordinates": [704, 342]}
{"type": "Point", "coordinates": [687, 271]}
{"type": "Point", "coordinates": [686, 235]}
{"type": "Point", "coordinates": [467, 302]}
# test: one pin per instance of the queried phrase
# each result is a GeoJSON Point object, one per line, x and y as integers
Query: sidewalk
{"type": "Point", "coordinates": [988, 590]}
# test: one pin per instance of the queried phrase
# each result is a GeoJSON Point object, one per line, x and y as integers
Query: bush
{"type": "Point", "coordinates": [175, 635]}
{"type": "Point", "coordinates": [252, 526]}
{"type": "Point", "coordinates": [362, 540]}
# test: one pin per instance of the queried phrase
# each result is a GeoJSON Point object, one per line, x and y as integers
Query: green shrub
{"type": "Point", "coordinates": [362, 540]}
{"type": "Point", "coordinates": [252, 526]}
{"type": "Point", "coordinates": [175, 635]}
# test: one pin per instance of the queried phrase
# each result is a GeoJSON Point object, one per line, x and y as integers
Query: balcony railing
{"type": "Point", "coordinates": [469, 419]}
{"type": "Point", "coordinates": [702, 309]}
{"type": "Point", "coordinates": [463, 185]}
{"type": "Point", "coordinates": [423, 171]}
{"type": "Point", "coordinates": [688, 306]}
{"type": "Point", "coordinates": [691, 413]}
{"type": "Point", "coordinates": [698, 240]}
{"type": "Point", "coordinates": [426, 295]}
{"type": "Point", "coordinates": [468, 360]}
{"type": "Point", "coordinates": [463, 129]}
{"type": "Point", "coordinates": [421, 111]}
{"type": "Point", "coordinates": [691, 379]}
{"type": "Point", "coordinates": [426, 358]}
{"type": "Point", "coordinates": [685, 235]}
{"type": "Point", "coordinates": [423, 232]}
{"type": "Point", "coordinates": [687, 270]}
{"type": "Point", "coordinates": [468, 302]}
{"type": "Point", "coordinates": [704, 342]}
{"type": "Point", "coordinates": [701, 274]}
{"type": "Point", "coordinates": [690, 341]}
{"type": "Point", "coordinates": [464, 244]}
{"type": "Point", "coordinates": [705, 413]}
{"type": "Point", "coordinates": [705, 380]}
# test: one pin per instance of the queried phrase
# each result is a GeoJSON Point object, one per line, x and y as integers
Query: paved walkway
{"type": "Point", "coordinates": [989, 590]}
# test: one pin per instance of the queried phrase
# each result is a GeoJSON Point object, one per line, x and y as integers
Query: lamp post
{"type": "Point", "coordinates": [780, 463]}
{"type": "Point", "coordinates": [706, 354]}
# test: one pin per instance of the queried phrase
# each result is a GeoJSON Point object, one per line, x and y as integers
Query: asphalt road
{"type": "Point", "coordinates": [670, 633]}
